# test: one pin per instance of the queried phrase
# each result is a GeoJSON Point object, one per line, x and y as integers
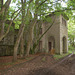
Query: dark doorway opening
{"type": "Point", "coordinates": [49, 44]}
{"type": "Point", "coordinates": [40, 45]}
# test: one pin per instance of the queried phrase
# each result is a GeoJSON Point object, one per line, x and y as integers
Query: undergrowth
{"type": "Point", "coordinates": [63, 55]}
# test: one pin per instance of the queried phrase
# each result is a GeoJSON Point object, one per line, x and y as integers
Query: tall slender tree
{"type": "Point", "coordinates": [21, 30]}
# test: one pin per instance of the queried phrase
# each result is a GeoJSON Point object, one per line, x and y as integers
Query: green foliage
{"type": "Point", "coordinates": [14, 1]}
{"type": "Point", "coordinates": [71, 32]}
{"type": "Point", "coordinates": [10, 13]}
{"type": "Point", "coordinates": [57, 57]}
{"type": "Point", "coordinates": [17, 24]}
{"type": "Point", "coordinates": [70, 47]}
{"type": "Point", "coordinates": [32, 51]}
{"type": "Point", "coordinates": [47, 19]}
{"type": "Point", "coordinates": [28, 58]}
{"type": "Point", "coordinates": [11, 28]}
{"type": "Point", "coordinates": [58, 13]}
{"type": "Point", "coordinates": [44, 59]}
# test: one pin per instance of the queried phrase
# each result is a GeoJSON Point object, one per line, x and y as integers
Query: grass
{"type": "Point", "coordinates": [28, 58]}
{"type": "Point", "coordinates": [60, 56]}
{"type": "Point", "coordinates": [8, 63]}
{"type": "Point", "coordinates": [44, 59]}
{"type": "Point", "coordinates": [63, 55]}
{"type": "Point", "coordinates": [71, 51]}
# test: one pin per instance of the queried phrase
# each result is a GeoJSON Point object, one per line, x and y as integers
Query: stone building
{"type": "Point", "coordinates": [7, 43]}
{"type": "Point", "coordinates": [57, 36]}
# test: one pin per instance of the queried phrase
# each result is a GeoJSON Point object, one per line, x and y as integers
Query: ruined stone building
{"type": "Point", "coordinates": [55, 38]}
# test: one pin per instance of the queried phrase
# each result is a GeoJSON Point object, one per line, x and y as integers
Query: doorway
{"type": "Point", "coordinates": [40, 45]}
{"type": "Point", "coordinates": [49, 45]}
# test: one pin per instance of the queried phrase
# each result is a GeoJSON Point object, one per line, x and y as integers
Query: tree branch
{"type": "Point", "coordinates": [41, 4]}
{"type": "Point", "coordinates": [43, 34]}
{"type": "Point", "coordinates": [57, 11]}
{"type": "Point", "coordinates": [5, 6]}
{"type": "Point", "coordinates": [9, 26]}
{"type": "Point", "coordinates": [46, 30]}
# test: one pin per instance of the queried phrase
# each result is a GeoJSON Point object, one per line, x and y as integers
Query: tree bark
{"type": "Point", "coordinates": [2, 28]}
{"type": "Point", "coordinates": [20, 33]}
{"type": "Point", "coordinates": [30, 38]}
{"type": "Point", "coordinates": [5, 6]}
{"type": "Point", "coordinates": [31, 29]}
{"type": "Point", "coordinates": [1, 3]}
{"type": "Point", "coordinates": [22, 47]}
{"type": "Point", "coordinates": [1, 25]}
{"type": "Point", "coordinates": [21, 30]}
{"type": "Point", "coordinates": [3, 13]}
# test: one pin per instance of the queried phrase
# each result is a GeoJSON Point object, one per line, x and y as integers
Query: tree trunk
{"type": "Point", "coordinates": [1, 4]}
{"type": "Point", "coordinates": [2, 28]}
{"type": "Point", "coordinates": [21, 30]}
{"type": "Point", "coordinates": [31, 29]}
{"type": "Point", "coordinates": [28, 48]}
{"type": "Point", "coordinates": [3, 14]}
{"type": "Point", "coordinates": [30, 38]}
{"type": "Point", "coordinates": [1, 20]}
{"type": "Point", "coordinates": [36, 44]}
{"type": "Point", "coordinates": [22, 47]}
{"type": "Point", "coordinates": [5, 6]}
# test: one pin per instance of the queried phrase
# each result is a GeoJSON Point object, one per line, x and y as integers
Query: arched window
{"type": "Point", "coordinates": [64, 45]}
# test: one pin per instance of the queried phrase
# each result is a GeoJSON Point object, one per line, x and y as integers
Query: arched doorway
{"type": "Point", "coordinates": [51, 43]}
{"type": "Point", "coordinates": [64, 47]}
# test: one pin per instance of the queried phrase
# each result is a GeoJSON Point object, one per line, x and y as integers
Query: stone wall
{"type": "Point", "coordinates": [6, 50]}
{"type": "Point", "coordinates": [57, 31]}
{"type": "Point", "coordinates": [54, 32]}
{"type": "Point", "coordinates": [7, 43]}
{"type": "Point", "coordinates": [63, 34]}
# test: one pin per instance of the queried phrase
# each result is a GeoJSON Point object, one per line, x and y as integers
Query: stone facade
{"type": "Point", "coordinates": [7, 43]}
{"type": "Point", "coordinates": [56, 37]}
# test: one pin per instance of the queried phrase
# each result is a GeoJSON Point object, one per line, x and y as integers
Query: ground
{"type": "Point", "coordinates": [43, 64]}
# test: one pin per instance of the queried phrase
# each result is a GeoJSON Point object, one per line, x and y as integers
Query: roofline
{"type": "Point", "coordinates": [63, 14]}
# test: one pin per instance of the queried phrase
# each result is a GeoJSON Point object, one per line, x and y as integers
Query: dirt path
{"type": "Point", "coordinates": [42, 66]}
